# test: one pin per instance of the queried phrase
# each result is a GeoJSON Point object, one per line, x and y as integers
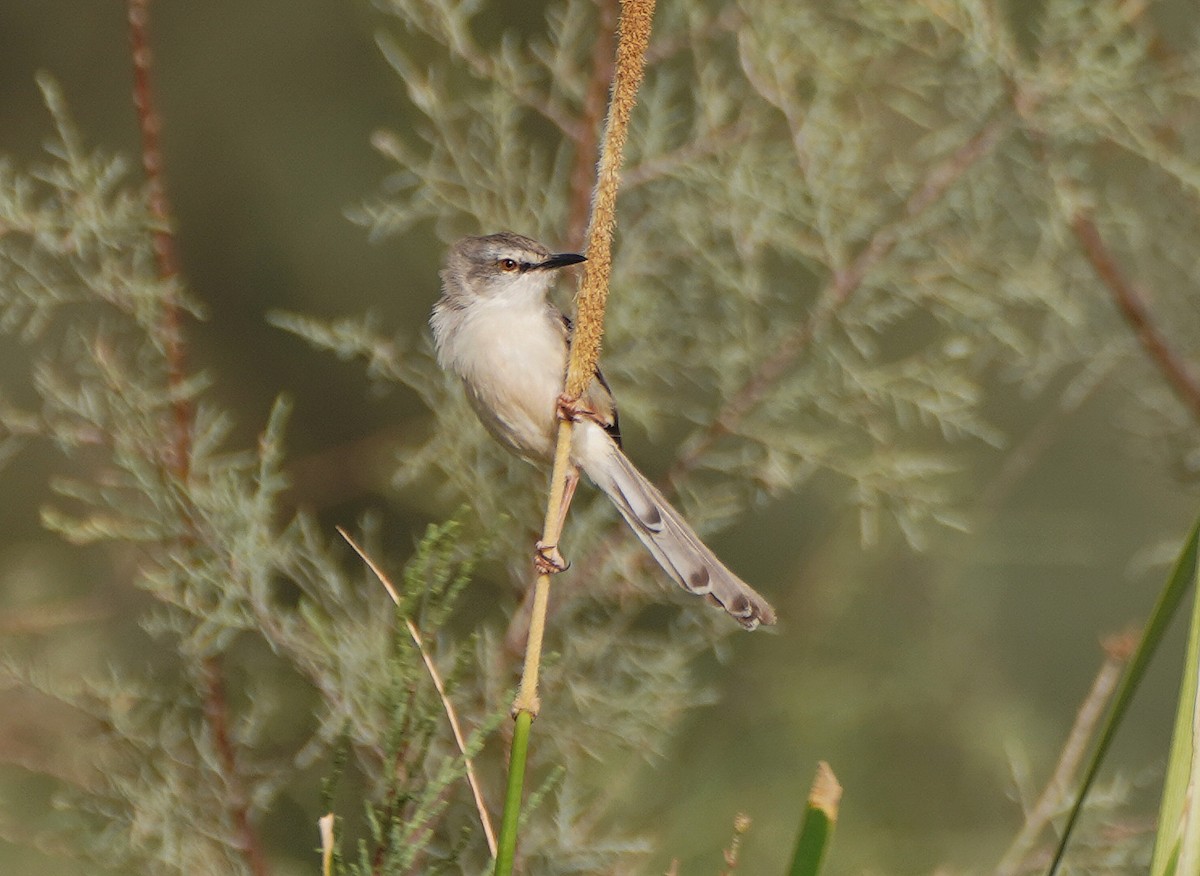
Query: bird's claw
{"type": "Point", "coordinates": [573, 409]}
{"type": "Point", "coordinates": [547, 559]}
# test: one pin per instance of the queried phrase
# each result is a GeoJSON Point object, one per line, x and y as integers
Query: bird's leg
{"type": "Point", "coordinates": [547, 559]}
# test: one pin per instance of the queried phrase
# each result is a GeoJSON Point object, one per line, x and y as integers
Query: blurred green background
{"type": "Point", "coordinates": [921, 677]}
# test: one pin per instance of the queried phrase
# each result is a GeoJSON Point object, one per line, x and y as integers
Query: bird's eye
{"type": "Point", "coordinates": [508, 265]}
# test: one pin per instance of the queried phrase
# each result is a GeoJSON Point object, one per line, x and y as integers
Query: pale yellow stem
{"type": "Point", "coordinates": [325, 824]}
{"type": "Point", "coordinates": [633, 37]}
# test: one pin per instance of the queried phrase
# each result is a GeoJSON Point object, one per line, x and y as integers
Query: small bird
{"type": "Point", "coordinates": [495, 328]}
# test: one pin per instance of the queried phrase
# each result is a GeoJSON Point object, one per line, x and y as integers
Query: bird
{"type": "Point", "coordinates": [496, 329]}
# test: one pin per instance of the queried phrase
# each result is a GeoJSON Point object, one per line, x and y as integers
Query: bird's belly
{"type": "Point", "coordinates": [519, 363]}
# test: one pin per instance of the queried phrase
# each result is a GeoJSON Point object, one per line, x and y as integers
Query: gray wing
{"type": "Point", "coordinates": [598, 395]}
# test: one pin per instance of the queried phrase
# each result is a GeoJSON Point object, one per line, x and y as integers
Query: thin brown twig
{"type": "Point", "coordinates": [1050, 802]}
{"type": "Point", "coordinates": [216, 715]}
{"type": "Point", "coordinates": [1136, 312]}
{"type": "Point", "coordinates": [583, 130]}
{"type": "Point", "coordinates": [837, 293]}
{"type": "Point", "coordinates": [178, 458]}
{"type": "Point", "coordinates": [170, 327]}
{"type": "Point", "coordinates": [447, 705]}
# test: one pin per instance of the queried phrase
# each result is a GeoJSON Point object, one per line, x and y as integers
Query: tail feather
{"type": "Point", "coordinates": [668, 537]}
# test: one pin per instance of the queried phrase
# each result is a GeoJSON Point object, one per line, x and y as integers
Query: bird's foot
{"type": "Point", "coordinates": [574, 409]}
{"type": "Point", "coordinates": [547, 559]}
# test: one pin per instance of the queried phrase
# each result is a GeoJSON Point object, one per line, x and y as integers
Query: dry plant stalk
{"type": "Point", "coordinates": [1021, 853]}
{"type": "Point", "coordinates": [633, 38]}
{"type": "Point", "coordinates": [632, 41]}
{"type": "Point", "coordinates": [451, 714]}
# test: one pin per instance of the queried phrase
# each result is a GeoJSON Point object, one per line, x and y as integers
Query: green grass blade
{"type": "Point", "coordinates": [1177, 841]}
{"type": "Point", "coordinates": [1164, 610]}
{"type": "Point", "coordinates": [506, 844]}
{"type": "Point", "coordinates": [820, 816]}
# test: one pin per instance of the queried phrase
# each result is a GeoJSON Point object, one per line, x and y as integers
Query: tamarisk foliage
{"type": "Point", "coordinates": [841, 227]}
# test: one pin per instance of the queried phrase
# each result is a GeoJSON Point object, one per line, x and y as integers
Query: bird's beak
{"type": "Point", "coordinates": [560, 260]}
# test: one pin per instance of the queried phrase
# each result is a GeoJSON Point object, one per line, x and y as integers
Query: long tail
{"type": "Point", "coordinates": [665, 533]}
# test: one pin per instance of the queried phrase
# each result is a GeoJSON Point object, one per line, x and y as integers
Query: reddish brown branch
{"type": "Point", "coordinates": [1134, 309]}
{"type": "Point", "coordinates": [216, 714]}
{"type": "Point", "coordinates": [179, 456]}
{"type": "Point", "coordinates": [835, 295]}
{"type": "Point", "coordinates": [587, 126]}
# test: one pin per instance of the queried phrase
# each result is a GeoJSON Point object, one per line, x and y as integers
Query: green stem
{"type": "Point", "coordinates": [506, 846]}
{"type": "Point", "coordinates": [1182, 577]}
{"type": "Point", "coordinates": [810, 845]}
{"type": "Point", "coordinates": [820, 816]}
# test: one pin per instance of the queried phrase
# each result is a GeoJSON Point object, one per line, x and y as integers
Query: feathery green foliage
{"type": "Point", "coordinates": [842, 225]}
{"type": "Point", "coordinates": [854, 193]}
{"type": "Point", "coordinates": [178, 781]}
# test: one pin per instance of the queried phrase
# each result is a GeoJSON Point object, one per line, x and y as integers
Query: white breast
{"type": "Point", "coordinates": [512, 358]}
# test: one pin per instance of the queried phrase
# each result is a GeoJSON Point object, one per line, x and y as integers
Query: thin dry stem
{"type": "Point", "coordinates": [177, 458]}
{"type": "Point", "coordinates": [1136, 312]}
{"type": "Point", "coordinates": [170, 324]}
{"type": "Point", "coordinates": [527, 699]}
{"type": "Point", "coordinates": [632, 40]}
{"type": "Point", "coordinates": [216, 714]}
{"type": "Point", "coordinates": [451, 714]}
{"type": "Point", "coordinates": [1050, 801]}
